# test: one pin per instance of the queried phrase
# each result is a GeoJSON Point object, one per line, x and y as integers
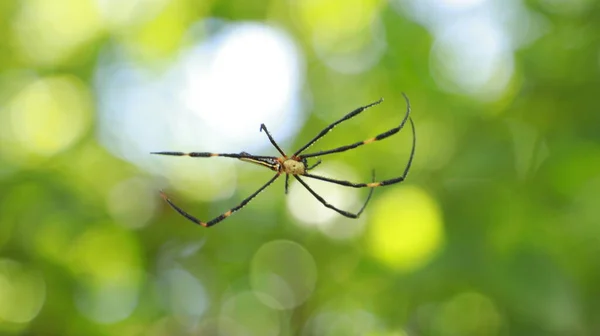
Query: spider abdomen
{"type": "Point", "coordinates": [293, 167]}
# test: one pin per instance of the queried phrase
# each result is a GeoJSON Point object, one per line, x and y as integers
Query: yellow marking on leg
{"type": "Point", "coordinates": [227, 214]}
{"type": "Point", "coordinates": [214, 154]}
{"type": "Point", "coordinates": [262, 163]}
{"type": "Point", "coordinates": [368, 141]}
{"type": "Point", "coordinates": [203, 224]}
{"type": "Point", "coordinates": [374, 184]}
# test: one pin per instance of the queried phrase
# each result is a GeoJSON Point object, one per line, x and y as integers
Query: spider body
{"type": "Point", "coordinates": [297, 166]}
{"type": "Point", "coordinates": [293, 166]}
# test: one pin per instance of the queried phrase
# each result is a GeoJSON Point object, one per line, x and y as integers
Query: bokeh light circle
{"type": "Point", "coordinates": [213, 97]}
{"type": "Point", "coordinates": [47, 116]}
{"type": "Point", "coordinates": [105, 261]}
{"type": "Point", "coordinates": [47, 33]}
{"type": "Point", "coordinates": [472, 56]}
{"type": "Point", "coordinates": [283, 274]}
{"type": "Point", "coordinates": [347, 35]}
{"type": "Point", "coordinates": [185, 295]}
{"type": "Point", "coordinates": [467, 314]}
{"type": "Point", "coordinates": [248, 74]}
{"type": "Point", "coordinates": [22, 292]}
{"type": "Point", "coordinates": [132, 202]}
{"type": "Point", "coordinates": [250, 316]}
{"type": "Point", "coordinates": [407, 228]}
{"type": "Point", "coordinates": [344, 322]}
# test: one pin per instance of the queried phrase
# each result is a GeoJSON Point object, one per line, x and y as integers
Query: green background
{"type": "Point", "coordinates": [495, 232]}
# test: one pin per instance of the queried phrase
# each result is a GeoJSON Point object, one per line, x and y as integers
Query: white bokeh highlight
{"type": "Point", "coordinates": [249, 76]}
{"type": "Point", "coordinates": [283, 274]}
{"type": "Point", "coordinates": [245, 314]}
{"type": "Point", "coordinates": [213, 97]}
{"type": "Point", "coordinates": [475, 41]}
{"type": "Point", "coordinates": [474, 56]}
{"type": "Point", "coordinates": [184, 295]}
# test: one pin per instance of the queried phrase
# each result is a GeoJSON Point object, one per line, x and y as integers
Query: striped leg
{"type": "Point", "coordinates": [222, 216]}
{"type": "Point", "coordinates": [368, 141]}
{"type": "Point", "coordinates": [264, 128]}
{"type": "Point", "coordinates": [357, 185]}
{"type": "Point", "coordinates": [330, 127]}
{"type": "Point", "coordinates": [242, 155]}
{"type": "Point", "coordinates": [341, 212]}
{"type": "Point", "coordinates": [374, 184]}
{"type": "Point", "coordinates": [265, 161]}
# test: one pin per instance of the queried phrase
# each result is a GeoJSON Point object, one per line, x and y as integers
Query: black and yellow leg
{"type": "Point", "coordinates": [222, 216]}
{"type": "Point", "coordinates": [357, 185]}
{"type": "Point", "coordinates": [242, 155]}
{"type": "Point", "coordinates": [266, 161]}
{"type": "Point", "coordinates": [330, 127]}
{"type": "Point", "coordinates": [370, 140]}
{"type": "Point", "coordinates": [375, 184]}
{"type": "Point", "coordinates": [264, 128]}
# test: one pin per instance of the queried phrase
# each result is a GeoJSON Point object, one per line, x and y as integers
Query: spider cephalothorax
{"type": "Point", "coordinates": [296, 165]}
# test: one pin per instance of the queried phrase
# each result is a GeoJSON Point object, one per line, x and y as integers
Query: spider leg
{"type": "Point", "coordinates": [341, 212]}
{"type": "Point", "coordinates": [313, 166]}
{"type": "Point", "coordinates": [357, 185]}
{"type": "Point", "coordinates": [242, 155]}
{"type": "Point", "coordinates": [370, 140]}
{"type": "Point", "coordinates": [223, 215]}
{"type": "Point", "coordinates": [266, 161]}
{"type": "Point", "coordinates": [287, 182]}
{"type": "Point", "coordinates": [264, 128]}
{"type": "Point", "coordinates": [374, 184]}
{"type": "Point", "coordinates": [330, 127]}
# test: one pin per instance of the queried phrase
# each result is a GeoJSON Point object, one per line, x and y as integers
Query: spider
{"type": "Point", "coordinates": [297, 165]}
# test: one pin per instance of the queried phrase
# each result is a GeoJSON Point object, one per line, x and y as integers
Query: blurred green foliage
{"type": "Point", "coordinates": [495, 232]}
